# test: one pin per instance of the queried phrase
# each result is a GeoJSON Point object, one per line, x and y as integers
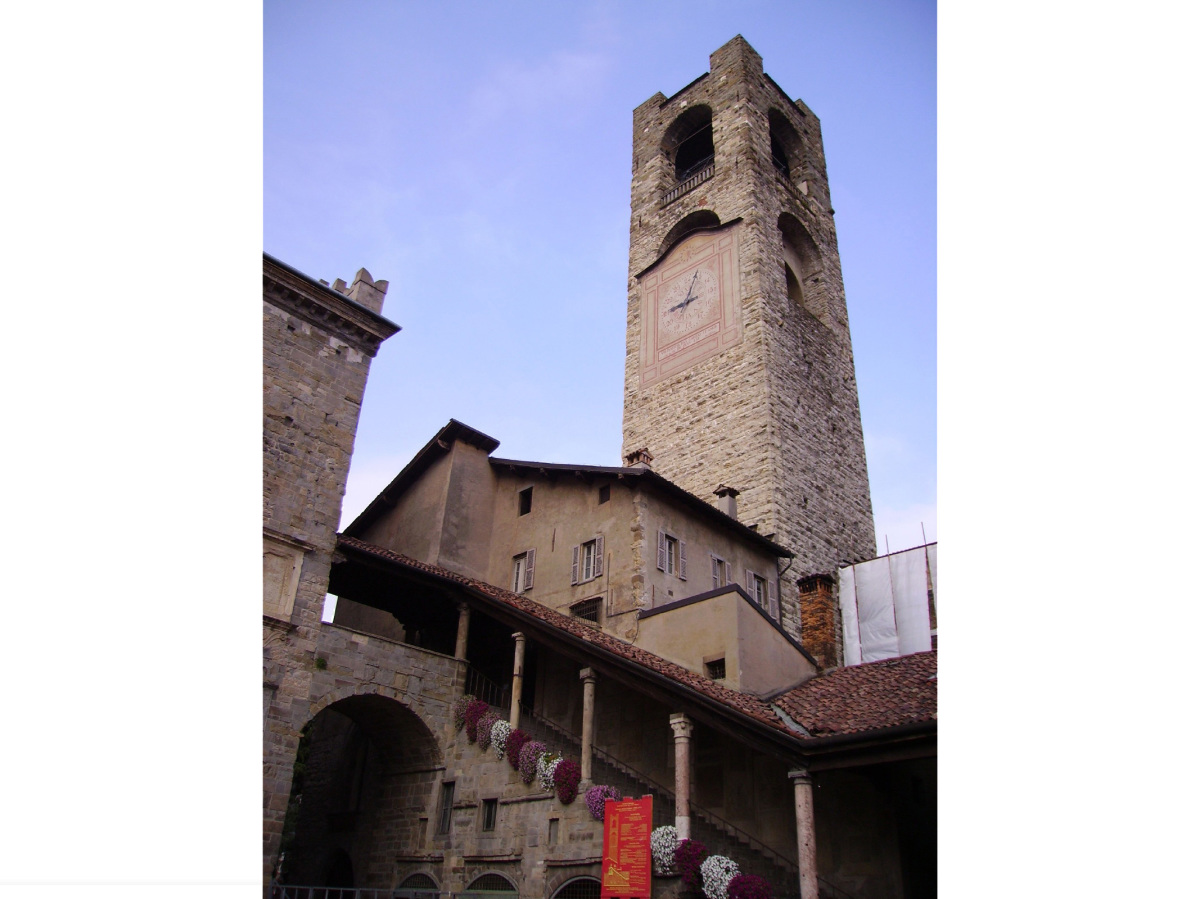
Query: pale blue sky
{"type": "Point", "coordinates": [477, 156]}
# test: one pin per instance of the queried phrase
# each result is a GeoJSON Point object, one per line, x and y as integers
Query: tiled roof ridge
{"type": "Point", "coordinates": [873, 696]}
{"type": "Point", "coordinates": [747, 705]}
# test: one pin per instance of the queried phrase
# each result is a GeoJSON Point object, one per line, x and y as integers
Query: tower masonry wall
{"type": "Point", "coordinates": [776, 414]}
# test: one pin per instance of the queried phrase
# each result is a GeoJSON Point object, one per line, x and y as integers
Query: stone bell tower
{"type": "Point", "coordinates": [738, 366]}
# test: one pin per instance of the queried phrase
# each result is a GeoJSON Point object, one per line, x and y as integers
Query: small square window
{"type": "Point", "coordinates": [715, 669]}
{"type": "Point", "coordinates": [525, 501]}
{"type": "Point", "coordinates": [604, 494]}
{"type": "Point", "coordinates": [588, 610]}
{"type": "Point", "coordinates": [488, 819]}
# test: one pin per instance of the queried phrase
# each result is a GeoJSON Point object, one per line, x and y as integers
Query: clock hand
{"type": "Point", "coordinates": [682, 304]}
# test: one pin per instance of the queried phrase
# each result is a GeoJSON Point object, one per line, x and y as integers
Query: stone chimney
{"type": "Point", "coordinates": [818, 619]}
{"type": "Point", "coordinates": [640, 458]}
{"type": "Point", "coordinates": [727, 500]}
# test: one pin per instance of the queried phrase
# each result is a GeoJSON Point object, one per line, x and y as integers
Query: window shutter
{"type": "Point", "coordinates": [682, 561]}
{"type": "Point", "coordinates": [728, 572]}
{"type": "Point", "coordinates": [716, 568]}
{"type": "Point", "coordinates": [750, 583]}
{"type": "Point", "coordinates": [662, 551]}
{"type": "Point", "coordinates": [599, 569]}
{"type": "Point", "coordinates": [773, 599]}
{"type": "Point", "coordinates": [529, 569]}
{"type": "Point", "coordinates": [575, 564]}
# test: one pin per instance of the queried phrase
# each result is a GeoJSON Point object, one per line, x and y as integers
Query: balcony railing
{"type": "Point", "coordinates": [692, 178]}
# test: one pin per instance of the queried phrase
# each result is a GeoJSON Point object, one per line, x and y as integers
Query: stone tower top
{"type": "Point", "coordinates": [739, 368]}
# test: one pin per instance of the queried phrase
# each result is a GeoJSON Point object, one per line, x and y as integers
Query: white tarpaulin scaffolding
{"type": "Point", "coordinates": [885, 605]}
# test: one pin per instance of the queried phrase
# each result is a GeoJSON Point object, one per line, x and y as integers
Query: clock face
{"type": "Point", "coordinates": [689, 301]}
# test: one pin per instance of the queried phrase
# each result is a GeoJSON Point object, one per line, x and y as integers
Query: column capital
{"type": "Point", "coordinates": [681, 725]}
{"type": "Point", "coordinates": [800, 776]}
{"type": "Point", "coordinates": [587, 675]}
{"type": "Point", "coordinates": [463, 607]}
{"type": "Point", "coordinates": [519, 637]}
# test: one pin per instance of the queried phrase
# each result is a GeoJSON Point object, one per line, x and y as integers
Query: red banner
{"type": "Point", "coordinates": [625, 868]}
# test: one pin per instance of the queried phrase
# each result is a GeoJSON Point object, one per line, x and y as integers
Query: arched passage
{"type": "Point", "coordinates": [363, 775]}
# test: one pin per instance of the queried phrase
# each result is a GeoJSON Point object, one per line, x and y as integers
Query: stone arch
{"type": "Point", "coordinates": [803, 269]}
{"type": "Point", "coordinates": [577, 887]}
{"type": "Point", "coordinates": [688, 141]}
{"type": "Point", "coordinates": [700, 220]}
{"type": "Point", "coordinates": [364, 778]}
{"type": "Point", "coordinates": [418, 885]}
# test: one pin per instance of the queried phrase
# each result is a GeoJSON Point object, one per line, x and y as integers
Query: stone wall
{"type": "Point", "coordinates": [775, 416]}
{"type": "Point", "coordinates": [317, 345]}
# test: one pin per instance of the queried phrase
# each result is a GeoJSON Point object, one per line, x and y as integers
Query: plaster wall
{"type": "Point", "coordinates": [703, 540]}
{"type": "Point", "coordinates": [413, 526]}
{"type": "Point", "coordinates": [565, 513]}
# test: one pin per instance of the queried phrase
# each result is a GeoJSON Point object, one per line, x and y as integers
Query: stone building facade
{"type": "Point", "coordinates": [585, 605]}
{"type": "Point", "coordinates": [739, 368]}
{"type": "Point", "coordinates": [318, 341]}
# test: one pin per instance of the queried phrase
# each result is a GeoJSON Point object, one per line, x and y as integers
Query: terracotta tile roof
{"type": "Point", "coordinates": [877, 695]}
{"type": "Point", "coordinates": [833, 703]}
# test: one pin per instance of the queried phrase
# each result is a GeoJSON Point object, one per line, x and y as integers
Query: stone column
{"type": "Point", "coordinates": [588, 676]}
{"type": "Point", "coordinates": [514, 713]}
{"type": "Point", "coordinates": [464, 622]}
{"type": "Point", "coordinates": [683, 774]}
{"type": "Point", "coordinates": [806, 832]}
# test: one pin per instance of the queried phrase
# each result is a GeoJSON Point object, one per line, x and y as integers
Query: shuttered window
{"type": "Point", "coordinates": [720, 572]}
{"type": "Point", "coordinates": [587, 560]}
{"type": "Point", "coordinates": [523, 571]}
{"type": "Point", "coordinates": [672, 555]}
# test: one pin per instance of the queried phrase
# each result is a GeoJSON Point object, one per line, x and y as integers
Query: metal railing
{"type": "Point", "coordinates": [481, 687]}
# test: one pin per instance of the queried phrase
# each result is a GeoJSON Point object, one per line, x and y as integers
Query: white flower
{"type": "Point", "coordinates": [715, 873]}
{"type": "Point", "coordinates": [663, 841]}
{"type": "Point", "coordinates": [500, 732]}
{"type": "Point", "coordinates": [545, 770]}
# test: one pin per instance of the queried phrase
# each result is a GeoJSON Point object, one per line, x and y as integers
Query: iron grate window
{"type": "Point", "coordinates": [588, 610]}
{"type": "Point", "coordinates": [716, 669]}
{"type": "Point", "coordinates": [491, 883]}
{"type": "Point", "coordinates": [489, 814]}
{"type": "Point", "coordinates": [579, 888]}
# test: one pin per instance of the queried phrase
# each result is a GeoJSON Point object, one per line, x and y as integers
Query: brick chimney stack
{"type": "Point", "coordinates": [639, 458]}
{"type": "Point", "coordinates": [818, 619]}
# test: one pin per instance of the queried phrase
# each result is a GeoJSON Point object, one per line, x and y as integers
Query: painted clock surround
{"type": "Point", "coordinates": [691, 307]}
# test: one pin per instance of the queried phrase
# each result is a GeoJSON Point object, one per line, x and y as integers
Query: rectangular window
{"type": "Point", "coordinates": [552, 833]}
{"type": "Point", "coordinates": [488, 818]}
{"type": "Point", "coordinates": [522, 571]}
{"type": "Point", "coordinates": [525, 501]}
{"type": "Point", "coordinates": [445, 807]}
{"type": "Point", "coordinates": [756, 586]}
{"type": "Point", "coordinates": [672, 555]}
{"type": "Point", "coordinates": [716, 669]}
{"type": "Point", "coordinates": [587, 561]}
{"type": "Point", "coordinates": [720, 572]}
{"type": "Point", "coordinates": [604, 494]}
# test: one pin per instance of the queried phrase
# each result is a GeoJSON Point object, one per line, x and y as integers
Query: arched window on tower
{"type": "Point", "coordinates": [786, 153]}
{"type": "Point", "coordinates": [688, 144]}
{"type": "Point", "coordinates": [803, 271]}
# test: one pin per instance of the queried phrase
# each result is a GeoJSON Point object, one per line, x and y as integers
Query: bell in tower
{"type": "Point", "coordinates": [739, 368]}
